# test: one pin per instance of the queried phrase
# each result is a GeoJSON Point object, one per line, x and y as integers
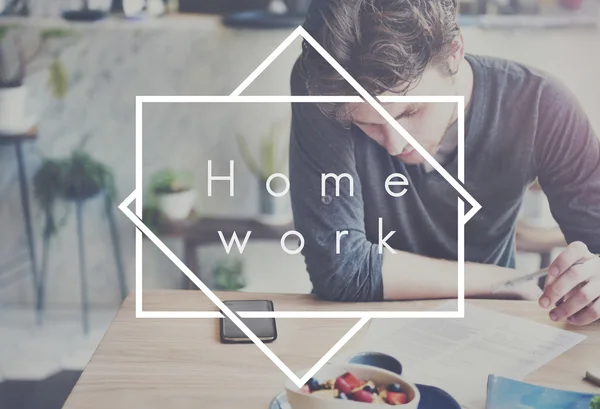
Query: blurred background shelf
{"type": "Point", "coordinates": [529, 22]}
{"type": "Point", "coordinates": [269, 14]}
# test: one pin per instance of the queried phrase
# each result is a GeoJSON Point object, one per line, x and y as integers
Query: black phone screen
{"type": "Point", "coordinates": [264, 328]}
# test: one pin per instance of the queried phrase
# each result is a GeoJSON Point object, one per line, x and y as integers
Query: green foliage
{"type": "Point", "coordinates": [229, 275]}
{"type": "Point", "coordinates": [85, 173]}
{"type": "Point", "coordinates": [271, 159]}
{"type": "Point", "coordinates": [58, 81]}
{"type": "Point", "coordinates": [152, 216]}
{"type": "Point", "coordinates": [57, 33]}
{"type": "Point", "coordinates": [48, 185]}
{"type": "Point", "coordinates": [13, 68]}
{"type": "Point", "coordinates": [170, 181]}
{"type": "Point", "coordinates": [4, 31]}
{"type": "Point", "coordinates": [164, 181]}
{"type": "Point", "coordinates": [595, 402]}
{"type": "Point", "coordinates": [76, 177]}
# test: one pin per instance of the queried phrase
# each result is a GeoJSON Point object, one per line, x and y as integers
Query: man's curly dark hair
{"type": "Point", "coordinates": [386, 45]}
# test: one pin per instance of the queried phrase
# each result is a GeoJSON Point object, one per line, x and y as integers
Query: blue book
{"type": "Point", "coordinates": [504, 393]}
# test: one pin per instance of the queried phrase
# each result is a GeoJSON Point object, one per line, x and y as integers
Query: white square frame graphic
{"type": "Point", "coordinates": [137, 195]}
{"type": "Point", "coordinates": [236, 97]}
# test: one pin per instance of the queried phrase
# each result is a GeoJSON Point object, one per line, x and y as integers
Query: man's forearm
{"type": "Point", "coordinates": [408, 276]}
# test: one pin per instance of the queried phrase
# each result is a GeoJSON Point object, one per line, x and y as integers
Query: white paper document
{"type": "Point", "coordinates": [457, 355]}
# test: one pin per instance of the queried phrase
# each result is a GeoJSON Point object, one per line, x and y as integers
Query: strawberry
{"type": "Point", "coordinates": [362, 396]}
{"type": "Point", "coordinates": [342, 385]}
{"type": "Point", "coordinates": [351, 380]}
{"type": "Point", "coordinates": [396, 398]}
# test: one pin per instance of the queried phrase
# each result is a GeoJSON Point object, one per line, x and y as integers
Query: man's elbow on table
{"type": "Point", "coordinates": [347, 281]}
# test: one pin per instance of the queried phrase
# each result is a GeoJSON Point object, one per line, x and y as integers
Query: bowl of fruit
{"type": "Point", "coordinates": [353, 386]}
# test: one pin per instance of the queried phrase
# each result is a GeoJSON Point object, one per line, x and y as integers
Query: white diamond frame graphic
{"type": "Point", "coordinates": [235, 97]}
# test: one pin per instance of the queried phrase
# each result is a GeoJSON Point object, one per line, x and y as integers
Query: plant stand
{"type": "Point", "coordinates": [17, 141]}
{"type": "Point", "coordinates": [79, 209]}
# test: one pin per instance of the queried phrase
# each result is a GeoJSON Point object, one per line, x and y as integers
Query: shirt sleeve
{"type": "Point", "coordinates": [319, 145]}
{"type": "Point", "coordinates": [568, 160]}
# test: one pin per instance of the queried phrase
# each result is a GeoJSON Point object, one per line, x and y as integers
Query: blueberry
{"type": "Point", "coordinates": [369, 389]}
{"type": "Point", "coordinates": [313, 385]}
{"type": "Point", "coordinates": [342, 396]}
{"type": "Point", "coordinates": [394, 387]}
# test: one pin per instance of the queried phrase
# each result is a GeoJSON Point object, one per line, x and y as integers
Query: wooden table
{"type": "Point", "coordinates": [179, 363]}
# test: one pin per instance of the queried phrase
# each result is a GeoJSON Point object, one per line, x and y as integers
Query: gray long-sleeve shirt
{"type": "Point", "coordinates": [521, 125]}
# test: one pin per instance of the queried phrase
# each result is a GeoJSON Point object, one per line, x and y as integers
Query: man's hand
{"type": "Point", "coordinates": [573, 289]}
{"type": "Point", "coordinates": [528, 291]}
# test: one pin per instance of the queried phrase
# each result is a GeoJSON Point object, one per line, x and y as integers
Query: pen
{"type": "Point", "coordinates": [537, 274]}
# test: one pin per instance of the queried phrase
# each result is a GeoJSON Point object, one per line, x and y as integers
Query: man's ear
{"type": "Point", "coordinates": [457, 54]}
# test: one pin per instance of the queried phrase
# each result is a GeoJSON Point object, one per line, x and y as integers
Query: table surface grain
{"type": "Point", "coordinates": [144, 363]}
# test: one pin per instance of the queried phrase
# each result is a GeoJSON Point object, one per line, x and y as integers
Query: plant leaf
{"type": "Point", "coordinates": [55, 177]}
{"type": "Point", "coordinates": [268, 153]}
{"type": "Point", "coordinates": [3, 32]}
{"type": "Point", "coordinates": [168, 181]}
{"type": "Point", "coordinates": [57, 32]}
{"type": "Point", "coordinates": [57, 79]}
{"type": "Point", "coordinates": [247, 157]}
{"type": "Point", "coordinates": [5, 28]}
{"type": "Point", "coordinates": [280, 134]}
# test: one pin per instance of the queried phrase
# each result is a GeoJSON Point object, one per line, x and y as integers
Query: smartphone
{"type": "Point", "coordinates": [264, 328]}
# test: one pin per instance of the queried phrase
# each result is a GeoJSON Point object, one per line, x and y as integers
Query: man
{"type": "Point", "coordinates": [521, 125]}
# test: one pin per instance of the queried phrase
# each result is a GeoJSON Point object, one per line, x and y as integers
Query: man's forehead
{"type": "Point", "coordinates": [363, 112]}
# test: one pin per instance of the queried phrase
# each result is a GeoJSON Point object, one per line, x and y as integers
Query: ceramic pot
{"type": "Point", "coordinates": [13, 118]}
{"type": "Point", "coordinates": [177, 206]}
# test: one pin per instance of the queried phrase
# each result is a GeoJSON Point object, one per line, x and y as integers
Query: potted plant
{"type": "Point", "coordinates": [272, 159]}
{"type": "Point", "coordinates": [173, 193]}
{"type": "Point", "coordinates": [15, 61]}
{"type": "Point", "coordinates": [229, 274]}
{"type": "Point", "coordinates": [76, 178]}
